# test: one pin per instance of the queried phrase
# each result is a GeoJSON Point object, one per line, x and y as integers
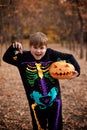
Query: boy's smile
{"type": "Point", "coordinates": [38, 51]}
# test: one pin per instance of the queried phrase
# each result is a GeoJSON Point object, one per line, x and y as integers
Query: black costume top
{"type": "Point", "coordinates": [40, 87]}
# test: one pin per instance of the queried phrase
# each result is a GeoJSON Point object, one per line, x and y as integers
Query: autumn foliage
{"type": "Point", "coordinates": [59, 19]}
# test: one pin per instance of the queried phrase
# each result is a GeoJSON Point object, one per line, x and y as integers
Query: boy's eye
{"type": "Point", "coordinates": [35, 47]}
{"type": "Point", "coordinates": [41, 47]}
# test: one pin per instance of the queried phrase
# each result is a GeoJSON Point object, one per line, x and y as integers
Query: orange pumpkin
{"type": "Point", "coordinates": [61, 70]}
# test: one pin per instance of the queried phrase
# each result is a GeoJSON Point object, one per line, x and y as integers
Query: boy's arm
{"type": "Point", "coordinates": [11, 55]}
{"type": "Point", "coordinates": [73, 61]}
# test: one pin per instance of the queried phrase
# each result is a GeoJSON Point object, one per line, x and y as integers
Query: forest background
{"type": "Point", "coordinates": [65, 23]}
{"type": "Point", "coordinates": [62, 20]}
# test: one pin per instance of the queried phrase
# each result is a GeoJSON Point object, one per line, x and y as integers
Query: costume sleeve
{"type": "Point", "coordinates": [69, 58]}
{"type": "Point", "coordinates": [73, 61]}
{"type": "Point", "coordinates": [11, 56]}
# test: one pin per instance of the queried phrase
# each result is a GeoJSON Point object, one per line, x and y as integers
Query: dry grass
{"type": "Point", "coordinates": [14, 110]}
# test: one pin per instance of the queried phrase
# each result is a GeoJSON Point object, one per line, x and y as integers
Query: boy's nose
{"type": "Point", "coordinates": [38, 50]}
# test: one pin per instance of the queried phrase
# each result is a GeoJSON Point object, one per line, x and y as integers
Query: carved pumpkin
{"type": "Point", "coordinates": [61, 70]}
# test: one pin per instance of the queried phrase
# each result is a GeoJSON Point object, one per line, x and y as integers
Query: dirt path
{"type": "Point", "coordinates": [14, 110]}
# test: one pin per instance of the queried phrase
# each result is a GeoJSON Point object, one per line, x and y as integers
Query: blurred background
{"type": "Point", "coordinates": [65, 24]}
{"type": "Point", "coordinates": [64, 21]}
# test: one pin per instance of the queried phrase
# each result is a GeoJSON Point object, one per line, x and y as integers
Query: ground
{"type": "Point", "coordinates": [14, 109]}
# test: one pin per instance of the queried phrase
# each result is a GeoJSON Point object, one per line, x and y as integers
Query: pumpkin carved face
{"type": "Point", "coordinates": [61, 70]}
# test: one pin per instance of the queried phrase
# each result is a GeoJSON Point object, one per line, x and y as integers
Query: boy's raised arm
{"type": "Point", "coordinates": [10, 55]}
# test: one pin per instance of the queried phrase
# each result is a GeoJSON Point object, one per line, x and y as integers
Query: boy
{"type": "Point", "coordinates": [43, 91]}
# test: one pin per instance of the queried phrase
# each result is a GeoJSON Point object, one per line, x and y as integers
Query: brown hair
{"type": "Point", "coordinates": [38, 39]}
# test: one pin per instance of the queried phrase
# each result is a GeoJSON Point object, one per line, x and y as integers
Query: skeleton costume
{"type": "Point", "coordinates": [43, 91]}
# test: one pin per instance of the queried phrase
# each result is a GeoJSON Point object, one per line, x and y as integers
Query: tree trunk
{"type": "Point", "coordinates": [81, 29]}
{"type": "Point", "coordinates": [81, 45]}
{"type": "Point", "coordinates": [86, 51]}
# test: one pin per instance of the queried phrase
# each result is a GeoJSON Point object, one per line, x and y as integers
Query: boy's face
{"type": "Point", "coordinates": [38, 51]}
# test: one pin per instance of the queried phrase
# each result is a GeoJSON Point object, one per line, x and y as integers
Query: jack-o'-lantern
{"type": "Point", "coordinates": [61, 70]}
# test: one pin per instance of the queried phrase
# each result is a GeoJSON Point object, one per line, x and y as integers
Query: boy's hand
{"type": "Point", "coordinates": [18, 45]}
{"type": "Point", "coordinates": [75, 74]}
